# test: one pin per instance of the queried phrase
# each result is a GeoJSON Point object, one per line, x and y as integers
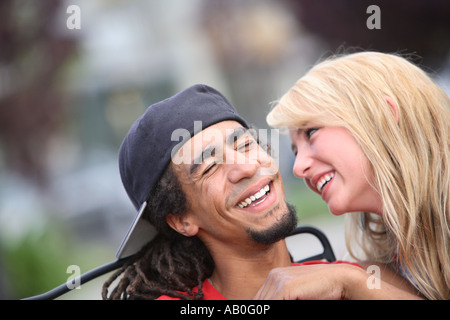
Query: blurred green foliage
{"type": "Point", "coordinates": [309, 205]}
{"type": "Point", "coordinates": [38, 262]}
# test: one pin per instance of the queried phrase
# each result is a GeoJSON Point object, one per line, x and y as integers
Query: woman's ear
{"type": "Point", "coordinates": [393, 105]}
{"type": "Point", "coordinates": [182, 224]}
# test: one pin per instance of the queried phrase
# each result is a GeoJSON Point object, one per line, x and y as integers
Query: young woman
{"type": "Point", "coordinates": [370, 132]}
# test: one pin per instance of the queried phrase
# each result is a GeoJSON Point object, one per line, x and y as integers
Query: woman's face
{"type": "Point", "coordinates": [334, 166]}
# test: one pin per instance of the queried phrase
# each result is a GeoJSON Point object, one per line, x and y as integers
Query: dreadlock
{"type": "Point", "coordinates": [169, 264]}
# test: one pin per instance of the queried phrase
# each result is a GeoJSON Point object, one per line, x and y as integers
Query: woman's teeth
{"type": "Point", "coordinates": [254, 197]}
{"type": "Point", "coordinates": [324, 181]}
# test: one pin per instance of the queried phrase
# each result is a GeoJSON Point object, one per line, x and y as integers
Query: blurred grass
{"type": "Point", "coordinates": [38, 262]}
{"type": "Point", "coordinates": [309, 205]}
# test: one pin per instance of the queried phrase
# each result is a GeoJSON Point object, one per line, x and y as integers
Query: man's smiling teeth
{"type": "Point", "coordinates": [324, 181]}
{"type": "Point", "coordinates": [254, 197]}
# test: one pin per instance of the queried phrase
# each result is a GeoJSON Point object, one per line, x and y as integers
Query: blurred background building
{"type": "Point", "coordinates": [69, 95]}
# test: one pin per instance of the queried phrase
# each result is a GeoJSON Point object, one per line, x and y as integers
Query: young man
{"type": "Point", "coordinates": [212, 212]}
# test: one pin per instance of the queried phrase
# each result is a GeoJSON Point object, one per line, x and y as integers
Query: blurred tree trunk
{"type": "Point", "coordinates": [32, 58]}
{"type": "Point", "coordinates": [407, 26]}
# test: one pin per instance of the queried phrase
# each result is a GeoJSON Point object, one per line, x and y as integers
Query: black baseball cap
{"type": "Point", "coordinates": [147, 148]}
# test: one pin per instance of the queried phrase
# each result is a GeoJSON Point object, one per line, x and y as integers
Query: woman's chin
{"type": "Point", "coordinates": [336, 211]}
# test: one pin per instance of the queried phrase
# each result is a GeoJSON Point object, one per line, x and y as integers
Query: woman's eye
{"type": "Point", "coordinates": [310, 132]}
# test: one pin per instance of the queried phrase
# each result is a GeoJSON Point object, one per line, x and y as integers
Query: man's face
{"type": "Point", "coordinates": [233, 193]}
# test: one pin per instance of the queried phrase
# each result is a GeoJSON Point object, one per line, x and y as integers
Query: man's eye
{"type": "Point", "coordinates": [245, 146]}
{"type": "Point", "coordinates": [208, 168]}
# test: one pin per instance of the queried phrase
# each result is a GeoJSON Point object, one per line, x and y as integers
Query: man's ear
{"type": "Point", "coordinates": [393, 105]}
{"type": "Point", "coordinates": [182, 224]}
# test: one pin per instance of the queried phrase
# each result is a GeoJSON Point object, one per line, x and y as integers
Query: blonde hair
{"type": "Point", "coordinates": [408, 149]}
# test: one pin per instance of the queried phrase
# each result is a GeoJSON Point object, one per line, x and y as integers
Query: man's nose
{"type": "Point", "coordinates": [246, 165]}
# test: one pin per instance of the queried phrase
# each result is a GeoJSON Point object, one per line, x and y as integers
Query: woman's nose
{"type": "Point", "coordinates": [302, 164]}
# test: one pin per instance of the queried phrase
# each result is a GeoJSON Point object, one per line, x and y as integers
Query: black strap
{"type": "Point", "coordinates": [88, 276]}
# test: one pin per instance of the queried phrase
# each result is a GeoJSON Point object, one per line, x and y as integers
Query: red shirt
{"type": "Point", "coordinates": [210, 293]}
